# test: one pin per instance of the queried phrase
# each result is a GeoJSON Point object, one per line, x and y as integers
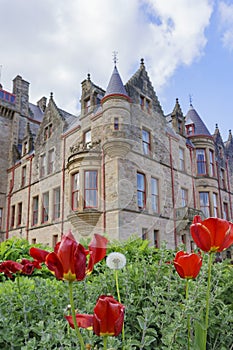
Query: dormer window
{"type": "Point", "coordinates": [25, 148]}
{"type": "Point", "coordinates": [145, 103]}
{"type": "Point", "coordinates": [87, 105]}
{"type": "Point", "coordinates": [48, 131]}
{"type": "Point", "coordinates": [190, 129]}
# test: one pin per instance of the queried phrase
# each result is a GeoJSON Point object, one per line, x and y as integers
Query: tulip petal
{"type": "Point", "coordinates": [54, 264]}
{"type": "Point", "coordinates": [97, 251]}
{"type": "Point", "coordinates": [201, 236]}
{"type": "Point", "coordinates": [38, 254]}
{"type": "Point", "coordinates": [187, 265]}
{"type": "Point", "coordinates": [83, 320]}
{"type": "Point", "coordinates": [80, 262]}
{"type": "Point", "coordinates": [218, 228]}
{"type": "Point", "coordinates": [65, 251]}
{"type": "Point", "coordinates": [228, 241]}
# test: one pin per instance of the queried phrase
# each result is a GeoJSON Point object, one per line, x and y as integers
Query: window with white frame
{"type": "Point", "coordinates": [141, 190]}
{"type": "Point", "coordinates": [184, 197]}
{"type": "Point", "coordinates": [56, 203]}
{"type": "Point", "coordinates": [215, 205]}
{"type": "Point", "coordinates": [201, 161]}
{"type": "Point", "coordinates": [155, 194]}
{"type": "Point", "coordinates": [146, 141]}
{"type": "Point", "coordinates": [204, 203]}
{"type": "Point", "coordinates": [90, 189]}
{"type": "Point", "coordinates": [35, 210]}
{"type": "Point", "coordinates": [45, 207]}
{"type": "Point", "coordinates": [75, 191]}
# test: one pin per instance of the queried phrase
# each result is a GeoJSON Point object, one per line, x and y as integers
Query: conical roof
{"type": "Point", "coordinates": [200, 128]}
{"type": "Point", "coordinates": [115, 85]}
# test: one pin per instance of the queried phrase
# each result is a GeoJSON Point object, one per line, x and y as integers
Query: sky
{"type": "Point", "coordinates": [187, 46]}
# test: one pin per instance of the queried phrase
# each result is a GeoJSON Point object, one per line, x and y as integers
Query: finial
{"type": "Point", "coordinates": [51, 95]}
{"type": "Point", "coordinates": [142, 62]}
{"type": "Point", "coordinates": [190, 100]}
{"type": "Point", "coordinates": [230, 131]}
{"type": "Point", "coordinates": [115, 59]}
{"type": "Point", "coordinates": [88, 76]}
{"type": "Point", "coordinates": [177, 100]}
{"type": "Point", "coordinates": [216, 126]}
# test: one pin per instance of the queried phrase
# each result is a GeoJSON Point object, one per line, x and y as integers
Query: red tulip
{"type": "Point", "coordinates": [187, 265]}
{"type": "Point", "coordinates": [212, 234]}
{"type": "Point", "coordinates": [9, 267]}
{"type": "Point", "coordinates": [29, 266]}
{"type": "Point", "coordinates": [69, 259]}
{"type": "Point", "coordinates": [108, 317]}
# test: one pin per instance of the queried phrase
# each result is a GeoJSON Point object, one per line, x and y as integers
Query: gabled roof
{"type": "Point", "coordinates": [115, 85]}
{"type": "Point", "coordinates": [192, 117]}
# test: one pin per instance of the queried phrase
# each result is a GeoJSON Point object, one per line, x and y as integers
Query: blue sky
{"type": "Point", "coordinates": [187, 46]}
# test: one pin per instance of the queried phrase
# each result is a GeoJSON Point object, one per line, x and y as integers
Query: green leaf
{"type": "Point", "coordinates": [199, 339]}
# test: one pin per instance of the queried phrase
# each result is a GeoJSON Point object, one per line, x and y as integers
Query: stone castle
{"type": "Point", "coordinates": [121, 167]}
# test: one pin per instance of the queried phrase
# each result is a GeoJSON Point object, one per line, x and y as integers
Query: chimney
{"type": "Point", "coordinates": [42, 103]}
{"type": "Point", "coordinates": [21, 89]}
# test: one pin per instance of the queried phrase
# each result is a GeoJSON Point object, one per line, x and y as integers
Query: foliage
{"type": "Point", "coordinates": [32, 312]}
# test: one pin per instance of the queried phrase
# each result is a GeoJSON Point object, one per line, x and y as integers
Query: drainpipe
{"type": "Point", "coordinates": [229, 188]}
{"type": "Point", "coordinates": [193, 182]}
{"type": "Point", "coordinates": [63, 186]}
{"type": "Point", "coordinates": [12, 180]}
{"type": "Point", "coordinates": [103, 191]}
{"type": "Point", "coordinates": [29, 195]}
{"type": "Point", "coordinates": [219, 190]}
{"type": "Point", "coordinates": [173, 191]}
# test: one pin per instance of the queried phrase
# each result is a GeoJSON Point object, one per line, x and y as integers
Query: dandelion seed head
{"type": "Point", "coordinates": [116, 261]}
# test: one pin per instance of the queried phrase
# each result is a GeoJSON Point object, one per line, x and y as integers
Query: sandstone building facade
{"type": "Point", "coordinates": [121, 167]}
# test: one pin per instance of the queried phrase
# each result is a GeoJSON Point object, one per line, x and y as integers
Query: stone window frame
{"type": "Point", "coordinates": [56, 203]}
{"type": "Point", "coordinates": [19, 213]}
{"type": "Point", "coordinates": [146, 143]}
{"type": "Point", "coordinates": [45, 207]}
{"type": "Point", "coordinates": [35, 210]}
{"type": "Point", "coordinates": [155, 196]}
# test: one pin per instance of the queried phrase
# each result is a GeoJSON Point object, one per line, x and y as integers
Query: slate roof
{"type": "Point", "coordinates": [115, 85]}
{"type": "Point", "coordinates": [200, 128]}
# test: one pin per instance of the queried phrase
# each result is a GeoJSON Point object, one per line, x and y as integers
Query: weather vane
{"type": "Point", "coordinates": [115, 59]}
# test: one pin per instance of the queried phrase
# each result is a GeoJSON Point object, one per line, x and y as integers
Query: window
{"type": "Point", "coordinates": [45, 207]}
{"type": "Point", "coordinates": [12, 216]}
{"type": "Point", "coordinates": [141, 190]}
{"type": "Point", "coordinates": [1, 216]}
{"type": "Point", "coordinates": [183, 239]}
{"type": "Point", "coordinates": [156, 238]}
{"type": "Point", "coordinates": [211, 156]}
{"type": "Point", "coordinates": [184, 197]}
{"type": "Point", "coordinates": [181, 158]}
{"type": "Point", "coordinates": [116, 123]}
{"type": "Point", "coordinates": [56, 203]}
{"type": "Point", "coordinates": [25, 148]}
{"type": "Point", "coordinates": [145, 103]}
{"type": "Point", "coordinates": [222, 179]}
{"type": "Point", "coordinates": [215, 205]}
{"type": "Point", "coordinates": [75, 191]}
{"type": "Point", "coordinates": [55, 240]}
{"type": "Point", "coordinates": [90, 189]}
{"type": "Point", "coordinates": [87, 105]}
{"type": "Point", "coordinates": [35, 208]}
{"type": "Point", "coordinates": [42, 165]}
{"type": "Point", "coordinates": [19, 220]}
{"type": "Point", "coordinates": [146, 141]}
{"type": "Point", "coordinates": [23, 177]}
{"type": "Point", "coordinates": [87, 137]}
{"type": "Point", "coordinates": [204, 203]}
{"type": "Point", "coordinates": [144, 234]}
{"type": "Point", "coordinates": [225, 211]}
{"type": "Point", "coordinates": [154, 195]}
{"type": "Point", "coordinates": [33, 240]}
{"type": "Point", "coordinates": [201, 161]}
{"type": "Point", "coordinates": [48, 132]}
{"type": "Point", "coordinates": [51, 157]}
{"type": "Point", "coordinates": [190, 129]}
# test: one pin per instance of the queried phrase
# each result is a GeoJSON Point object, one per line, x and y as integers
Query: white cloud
{"type": "Point", "coordinates": [53, 44]}
{"type": "Point", "coordinates": [226, 23]}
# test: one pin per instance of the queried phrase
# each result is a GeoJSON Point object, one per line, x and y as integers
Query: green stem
{"type": "Point", "coordinates": [105, 340]}
{"type": "Point", "coordinates": [18, 283]}
{"type": "Point", "coordinates": [208, 298]}
{"type": "Point", "coordinates": [79, 335]}
{"type": "Point", "coordinates": [119, 299]}
{"type": "Point", "coordinates": [188, 317]}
